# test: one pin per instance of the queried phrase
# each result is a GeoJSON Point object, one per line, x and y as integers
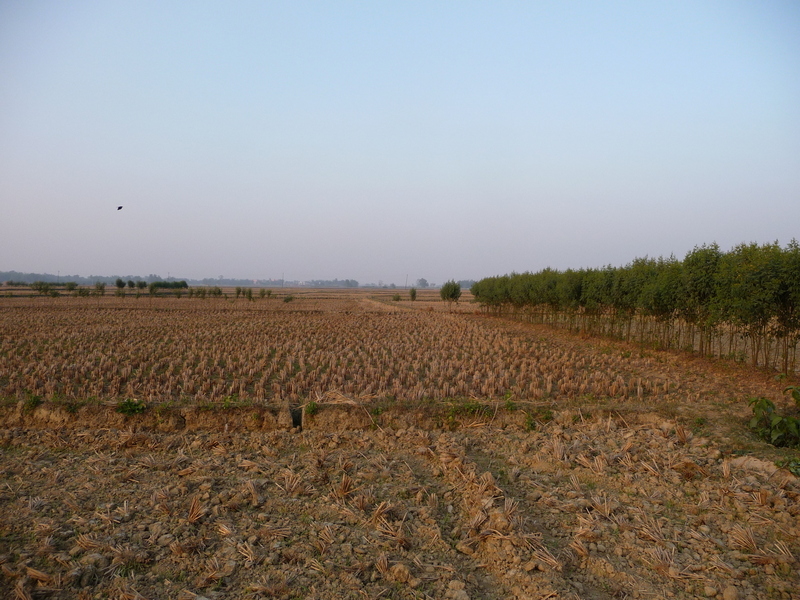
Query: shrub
{"type": "Point", "coordinates": [450, 292]}
{"type": "Point", "coordinates": [778, 430]}
{"type": "Point", "coordinates": [44, 288]}
{"type": "Point", "coordinates": [288, 298]}
{"type": "Point", "coordinates": [412, 293]}
{"type": "Point", "coordinates": [396, 298]}
{"type": "Point", "coordinates": [131, 406]}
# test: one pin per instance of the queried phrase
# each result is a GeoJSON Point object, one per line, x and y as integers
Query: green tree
{"type": "Point", "coordinates": [450, 292]}
{"type": "Point", "coordinates": [749, 282]}
{"type": "Point", "coordinates": [141, 284]}
{"type": "Point", "coordinates": [100, 288]}
{"type": "Point", "coordinates": [131, 284]}
{"type": "Point", "coordinates": [44, 288]}
{"type": "Point", "coordinates": [120, 284]}
{"type": "Point", "coordinates": [412, 293]}
{"type": "Point", "coordinates": [492, 292]}
{"type": "Point", "coordinates": [788, 305]}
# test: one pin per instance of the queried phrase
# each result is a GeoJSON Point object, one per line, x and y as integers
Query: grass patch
{"type": "Point", "coordinates": [31, 402]}
{"type": "Point", "coordinates": [131, 406]}
{"type": "Point", "coordinates": [467, 408]}
{"type": "Point", "coordinates": [536, 417]}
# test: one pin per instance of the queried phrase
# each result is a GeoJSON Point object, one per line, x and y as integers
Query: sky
{"type": "Point", "coordinates": [391, 141]}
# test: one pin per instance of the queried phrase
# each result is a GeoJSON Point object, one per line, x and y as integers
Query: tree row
{"type": "Point", "coordinates": [744, 303]}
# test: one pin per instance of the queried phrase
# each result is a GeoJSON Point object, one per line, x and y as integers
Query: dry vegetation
{"type": "Point", "coordinates": [207, 352]}
{"type": "Point", "coordinates": [446, 456]}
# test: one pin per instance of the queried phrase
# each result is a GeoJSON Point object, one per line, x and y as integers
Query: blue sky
{"type": "Point", "coordinates": [385, 140]}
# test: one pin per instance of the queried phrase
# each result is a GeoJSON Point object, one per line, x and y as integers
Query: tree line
{"type": "Point", "coordinates": [743, 304]}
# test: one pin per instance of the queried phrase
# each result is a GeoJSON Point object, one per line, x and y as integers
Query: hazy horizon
{"type": "Point", "coordinates": [380, 142]}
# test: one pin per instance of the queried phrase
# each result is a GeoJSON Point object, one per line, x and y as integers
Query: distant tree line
{"type": "Point", "coordinates": [16, 278]}
{"type": "Point", "coordinates": [170, 285]}
{"type": "Point", "coordinates": [333, 283]}
{"type": "Point", "coordinates": [741, 303]}
{"type": "Point", "coordinates": [178, 288]}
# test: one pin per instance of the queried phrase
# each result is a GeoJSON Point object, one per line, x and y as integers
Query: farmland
{"type": "Point", "coordinates": [345, 445]}
{"type": "Point", "coordinates": [211, 351]}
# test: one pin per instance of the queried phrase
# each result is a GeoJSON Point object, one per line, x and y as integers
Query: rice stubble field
{"type": "Point", "coordinates": [348, 446]}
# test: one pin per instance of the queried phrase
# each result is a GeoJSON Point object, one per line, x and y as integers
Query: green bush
{"type": "Point", "coordinates": [131, 406]}
{"type": "Point", "coordinates": [777, 429]}
{"type": "Point", "coordinates": [288, 298]}
{"type": "Point", "coordinates": [31, 402]}
{"type": "Point", "coordinates": [450, 292]}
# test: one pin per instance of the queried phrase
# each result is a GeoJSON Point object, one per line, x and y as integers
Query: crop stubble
{"type": "Point", "coordinates": [621, 503]}
{"type": "Point", "coordinates": [210, 351]}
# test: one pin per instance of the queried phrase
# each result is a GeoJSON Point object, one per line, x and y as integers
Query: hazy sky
{"type": "Point", "coordinates": [380, 140]}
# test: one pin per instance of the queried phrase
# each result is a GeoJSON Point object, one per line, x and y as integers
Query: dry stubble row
{"type": "Point", "coordinates": [213, 351]}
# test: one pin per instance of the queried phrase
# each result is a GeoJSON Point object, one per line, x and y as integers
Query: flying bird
{"type": "Point", "coordinates": [119, 208]}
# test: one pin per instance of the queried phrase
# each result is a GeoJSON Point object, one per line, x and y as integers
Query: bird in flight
{"type": "Point", "coordinates": [119, 208]}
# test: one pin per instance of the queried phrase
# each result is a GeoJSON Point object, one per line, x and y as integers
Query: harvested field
{"type": "Point", "coordinates": [631, 476]}
{"type": "Point", "coordinates": [209, 351]}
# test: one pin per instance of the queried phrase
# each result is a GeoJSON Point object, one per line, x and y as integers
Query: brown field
{"type": "Point", "coordinates": [344, 445]}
